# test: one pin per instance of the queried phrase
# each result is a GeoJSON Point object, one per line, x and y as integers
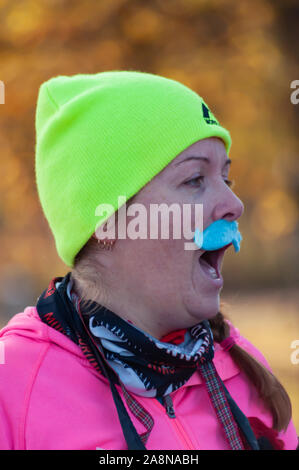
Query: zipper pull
{"type": "Point", "coordinates": [169, 406]}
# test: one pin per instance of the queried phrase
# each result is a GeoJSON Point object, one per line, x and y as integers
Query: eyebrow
{"type": "Point", "coordinates": [205, 159]}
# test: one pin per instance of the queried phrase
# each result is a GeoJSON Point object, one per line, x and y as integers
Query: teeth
{"type": "Point", "coordinates": [209, 269]}
{"type": "Point", "coordinates": [212, 271]}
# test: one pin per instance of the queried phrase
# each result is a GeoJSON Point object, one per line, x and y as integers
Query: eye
{"type": "Point", "coordinates": [230, 183]}
{"type": "Point", "coordinates": [198, 179]}
{"type": "Point", "coordinates": [195, 181]}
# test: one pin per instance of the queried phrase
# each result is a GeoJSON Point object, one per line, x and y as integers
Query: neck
{"type": "Point", "coordinates": [146, 319]}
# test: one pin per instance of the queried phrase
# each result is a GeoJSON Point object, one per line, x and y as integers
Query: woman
{"type": "Point", "coordinates": [130, 349]}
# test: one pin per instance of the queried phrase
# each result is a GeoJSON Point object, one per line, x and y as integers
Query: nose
{"type": "Point", "coordinates": [228, 206]}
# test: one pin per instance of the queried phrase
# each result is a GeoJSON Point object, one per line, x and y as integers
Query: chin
{"type": "Point", "coordinates": [205, 309]}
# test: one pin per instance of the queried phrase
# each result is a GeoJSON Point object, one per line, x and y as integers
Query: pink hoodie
{"type": "Point", "coordinates": [51, 397]}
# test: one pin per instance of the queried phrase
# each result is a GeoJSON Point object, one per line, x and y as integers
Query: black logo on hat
{"type": "Point", "coordinates": [208, 116]}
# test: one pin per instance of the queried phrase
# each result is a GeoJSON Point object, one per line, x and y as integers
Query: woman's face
{"type": "Point", "coordinates": [156, 283]}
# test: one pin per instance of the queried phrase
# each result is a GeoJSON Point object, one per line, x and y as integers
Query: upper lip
{"type": "Point", "coordinates": [216, 257]}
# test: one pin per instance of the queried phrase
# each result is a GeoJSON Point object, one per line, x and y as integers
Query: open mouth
{"type": "Point", "coordinates": [211, 261]}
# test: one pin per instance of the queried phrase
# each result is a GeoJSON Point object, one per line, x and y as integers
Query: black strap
{"type": "Point", "coordinates": [242, 421]}
{"type": "Point", "coordinates": [130, 434]}
{"type": "Point", "coordinates": [43, 306]}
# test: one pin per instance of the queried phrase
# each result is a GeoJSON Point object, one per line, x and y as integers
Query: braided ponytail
{"type": "Point", "coordinates": [270, 389]}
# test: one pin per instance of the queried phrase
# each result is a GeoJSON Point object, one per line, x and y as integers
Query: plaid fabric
{"type": "Point", "coordinates": [136, 409]}
{"type": "Point", "coordinates": [221, 406]}
{"type": "Point", "coordinates": [134, 406]}
{"type": "Point", "coordinates": [140, 413]}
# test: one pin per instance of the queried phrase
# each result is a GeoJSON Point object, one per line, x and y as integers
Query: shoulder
{"type": "Point", "coordinates": [22, 340]}
{"type": "Point", "coordinates": [21, 352]}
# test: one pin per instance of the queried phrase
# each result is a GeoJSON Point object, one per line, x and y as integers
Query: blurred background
{"type": "Point", "coordinates": [241, 57]}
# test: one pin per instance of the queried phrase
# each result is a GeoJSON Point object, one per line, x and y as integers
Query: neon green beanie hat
{"type": "Point", "coordinates": [99, 136]}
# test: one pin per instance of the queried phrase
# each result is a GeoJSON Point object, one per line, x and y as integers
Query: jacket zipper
{"type": "Point", "coordinates": [168, 405]}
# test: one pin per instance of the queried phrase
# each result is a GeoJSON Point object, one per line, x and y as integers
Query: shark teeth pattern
{"type": "Point", "coordinates": [198, 332]}
{"type": "Point", "coordinates": [145, 380]}
{"type": "Point", "coordinates": [145, 365]}
{"type": "Point", "coordinates": [95, 323]}
{"type": "Point", "coordinates": [182, 355]}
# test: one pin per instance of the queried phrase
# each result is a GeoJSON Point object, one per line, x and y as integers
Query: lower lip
{"type": "Point", "coordinates": [217, 282]}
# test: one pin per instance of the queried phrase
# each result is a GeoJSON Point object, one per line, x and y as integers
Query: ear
{"type": "Point", "coordinates": [104, 231]}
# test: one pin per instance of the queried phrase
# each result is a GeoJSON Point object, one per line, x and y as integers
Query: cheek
{"type": "Point", "coordinates": [157, 261]}
{"type": "Point", "coordinates": [171, 267]}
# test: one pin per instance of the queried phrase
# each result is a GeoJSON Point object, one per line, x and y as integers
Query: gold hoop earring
{"type": "Point", "coordinates": [106, 244]}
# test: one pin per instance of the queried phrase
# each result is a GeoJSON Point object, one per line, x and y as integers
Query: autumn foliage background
{"type": "Point", "coordinates": [241, 57]}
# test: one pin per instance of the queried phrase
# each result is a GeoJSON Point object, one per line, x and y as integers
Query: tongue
{"type": "Point", "coordinates": [208, 269]}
